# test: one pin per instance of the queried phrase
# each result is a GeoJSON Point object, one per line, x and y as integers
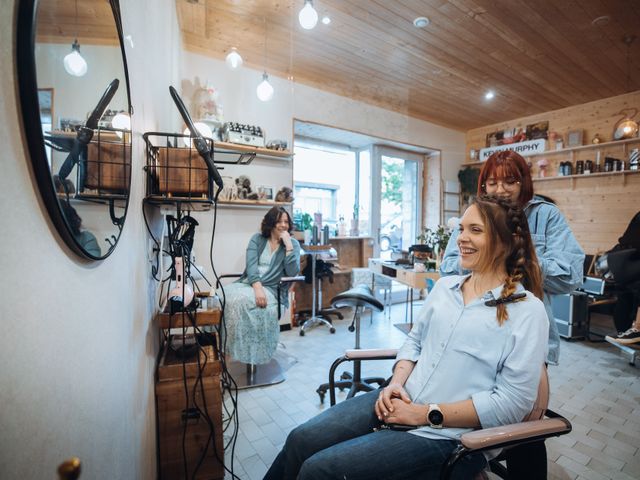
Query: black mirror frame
{"type": "Point", "coordinates": [28, 88]}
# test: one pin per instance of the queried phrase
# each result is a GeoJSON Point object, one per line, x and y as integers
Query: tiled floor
{"type": "Point", "coordinates": [594, 387]}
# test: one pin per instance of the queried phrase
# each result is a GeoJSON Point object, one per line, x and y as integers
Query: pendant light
{"type": "Point", "coordinates": [308, 17]}
{"type": "Point", "coordinates": [627, 127]}
{"type": "Point", "coordinates": [74, 64]}
{"type": "Point", "coordinates": [233, 60]}
{"type": "Point", "coordinates": [264, 91]}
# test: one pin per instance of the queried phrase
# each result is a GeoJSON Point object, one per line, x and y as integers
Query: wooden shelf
{"type": "Point", "coordinates": [259, 151]}
{"type": "Point", "coordinates": [593, 146]}
{"type": "Point", "coordinates": [588, 175]}
{"type": "Point", "coordinates": [251, 203]}
{"type": "Point", "coordinates": [206, 317]}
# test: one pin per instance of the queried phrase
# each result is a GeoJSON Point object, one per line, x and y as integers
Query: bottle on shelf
{"type": "Point", "coordinates": [598, 166]}
{"type": "Point", "coordinates": [634, 159]}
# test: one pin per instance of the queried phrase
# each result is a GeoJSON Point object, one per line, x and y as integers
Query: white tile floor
{"type": "Point", "coordinates": [594, 387]}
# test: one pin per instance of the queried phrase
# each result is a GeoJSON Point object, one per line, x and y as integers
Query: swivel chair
{"type": "Point", "coordinates": [359, 297]}
{"type": "Point", "coordinates": [247, 375]}
{"type": "Point", "coordinates": [540, 424]}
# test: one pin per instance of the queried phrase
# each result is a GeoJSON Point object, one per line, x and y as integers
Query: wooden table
{"type": "Point", "coordinates": [406, 275]}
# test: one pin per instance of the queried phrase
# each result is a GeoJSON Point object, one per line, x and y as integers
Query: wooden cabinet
{"type": "Point", "coordinates": [189, 407]}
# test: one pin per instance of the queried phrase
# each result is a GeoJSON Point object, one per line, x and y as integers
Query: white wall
{"type": "Point", "coordinates": [290, 100]}
{"type": "Point", "coordinates": [78, 347]}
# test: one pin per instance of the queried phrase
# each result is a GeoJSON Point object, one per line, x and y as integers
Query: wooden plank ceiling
{"type": "Point", "coordinates": [538, 55]}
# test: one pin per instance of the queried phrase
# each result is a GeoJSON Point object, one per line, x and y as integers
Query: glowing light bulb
{"type": "Point", "coordinates": [122, 121]}
{"type": "Point", "coordinates": [489, 95]}
{"type": "Point", "coordinates": [308, 17]}
{"type": "Point", "coordinates": [74, 64]}
{"type": "Point", "coordinates": [234, 60]}
{"type": "Point", "coordinates": [265, 90]}
{"type": "Point", "coordinates": [202, 128]}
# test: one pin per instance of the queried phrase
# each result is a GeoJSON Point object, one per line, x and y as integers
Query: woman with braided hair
{"type": "Point", "coordinates": [561, 259]}
{"type": "Point", "coordinates": [473, 359]}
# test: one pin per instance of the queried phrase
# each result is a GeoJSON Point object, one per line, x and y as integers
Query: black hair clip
{"type": "Point", "coordinates": [511, 298]}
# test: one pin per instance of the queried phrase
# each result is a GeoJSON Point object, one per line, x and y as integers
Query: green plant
{"type": "Point", "coordinates": [306, 221]}
{"type": "Point", "coordinates": [435, 238]}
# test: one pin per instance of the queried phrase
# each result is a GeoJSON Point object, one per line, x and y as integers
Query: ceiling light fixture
{"type": "Point", "coordinates": [308, 17]}
{"type": "Point", "coordinates": [326, 20]}
{"type": "Point", "coordinates": [420, 22]}
{"type": "Point", "coordinates": [489, 95]}
{"type": "Point", "coordinates": [264, 91]}
{"type": "Point", "coordinates": [233, 60]}
{"type": "Point", "coordinates": [73, 62]}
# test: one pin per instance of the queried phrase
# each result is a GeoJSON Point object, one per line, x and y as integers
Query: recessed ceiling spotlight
{"type": "Point", "coordinates": [600, 21]}
{"type": "Point", "coordinates": [420, 22]}
{"type": "Point", "coordinates": [489, 95]}
{"type": "Point", "coordinates": [326, 20]}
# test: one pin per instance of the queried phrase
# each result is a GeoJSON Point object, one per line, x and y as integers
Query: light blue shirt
{"type": "Point", "coordinates": [559, 254]}
{"type": "Point", "coordinates": [461, 353]}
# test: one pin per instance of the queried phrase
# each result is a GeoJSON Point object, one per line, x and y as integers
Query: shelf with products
{"type": "Point", "coordinates": [594, 146]}
{"type": "Point", "coordinates": [226, 147]}
{"type": "Point", "coordinates": [573, 179]}
{"type": "Point", "coordinates": [251, 203]}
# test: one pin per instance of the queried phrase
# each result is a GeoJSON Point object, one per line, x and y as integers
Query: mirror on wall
{"type": "Point", "coordinates": [76, 109]}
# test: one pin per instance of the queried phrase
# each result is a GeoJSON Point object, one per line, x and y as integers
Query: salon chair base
{"type": "Point", "coordinates": [249, 376]}
{"type": "Point", "coordinates": [354, 382]}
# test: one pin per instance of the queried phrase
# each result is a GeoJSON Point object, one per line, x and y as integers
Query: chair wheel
{"type": "Point", "coordinates": [302, 333]}
{"type": "Point", "coordinates": [351, 328]}
{"type": "Point", "coordinates": [332, 330]}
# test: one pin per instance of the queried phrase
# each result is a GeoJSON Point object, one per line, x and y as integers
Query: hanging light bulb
{"type": "Point", "coordinates": [308, 17]}
{"type": "Point", "coordinates": [265, 90]}
{"type": "Point", "coordinates": [74, 64]}
{"type": "Point", "coordinates": [202, 128]}
{"type": "Point", "coordinates": [121, 122]}
{"type": "Point", "coordinates": [233, 60]}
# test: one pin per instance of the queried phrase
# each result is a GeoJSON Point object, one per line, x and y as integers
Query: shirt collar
{"type": "Point", "coordinates": [493, 294]}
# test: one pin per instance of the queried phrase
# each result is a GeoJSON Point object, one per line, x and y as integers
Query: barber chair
{"type": "Point", "coordinates": [247, 375]}
{"type": "Point", "coordinates": [359, 298]}
{"type": "Point", "coordinates": [540, 424]}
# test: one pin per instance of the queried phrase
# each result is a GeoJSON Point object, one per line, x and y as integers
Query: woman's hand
{"type": "Point", "coordinates": [385, 405]}
{"type": "Point", "coordinates": [286, 240]}
{"type": "Point", "coordinates": [261, 296]}
{"type": "Point", "coordinates": [407, 413]}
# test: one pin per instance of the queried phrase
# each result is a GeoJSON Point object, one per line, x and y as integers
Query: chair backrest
{"type": "Point", "coordinates": [542, 400]}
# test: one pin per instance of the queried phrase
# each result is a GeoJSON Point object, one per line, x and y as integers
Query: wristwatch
{"type": "Point", "coordinates": [434, 416]}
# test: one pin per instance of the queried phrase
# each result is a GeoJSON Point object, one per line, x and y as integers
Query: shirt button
{"type": "Point", "coordinates": [442, 344]}
{"type": "Point", "coordinates": [433, 364]}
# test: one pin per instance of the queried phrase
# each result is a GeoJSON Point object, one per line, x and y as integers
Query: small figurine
{"type": "Point", "coordinates": [285, 194]}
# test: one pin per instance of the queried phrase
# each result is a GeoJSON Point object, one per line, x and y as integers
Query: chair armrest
{"type": "Point", "coordinates": [371, 353]}
{"type": "Point", "coordinates": [506, 435]}
{"type": "Point", "coordinates": [297, 278]}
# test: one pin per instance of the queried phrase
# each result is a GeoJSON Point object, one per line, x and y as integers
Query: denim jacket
{"type": "Point", "coordinates": [561, 259]}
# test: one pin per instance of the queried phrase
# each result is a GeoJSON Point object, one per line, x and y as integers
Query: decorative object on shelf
{"type": "Point", "coordinates": [265, 192]}
{"type": "Point", "coordinates": [285, 194]}
{"type": "Point", "coordinates": [277, 145]}
{"type": "Point", "coordinates": [542, 166]}
{"type": "Point", "coordinates": [598, 165]}
{"type": "Point", "coordinates": [243, 184]}
{"type": "Point", "coordinates": [588, 167]}
{"type": "Point", "coordinates": [537, 130]}
{"type": "Point", "coordinates": [596, 139]}
{"type": "Point", "coordinates": [234, 132]}
{"type": "Point", "coordinates": [308, 17]}
{"type": "Point", "coordinates": [634, 159]}
{"type": "Point", "coordinates": [230, 190]}
{"type": "Point", "coordinates": [626, 127]}
{"type": "Point", "coordinates": [574, 138]}
{"type": "Point", "coordinates": [233, 59]}
{"type": "Point", "coordinates": [559, 143]}
{"type": "Point", "coordinates": [473, 155]}
{"type": "Point", "coordinates": [206, 104]}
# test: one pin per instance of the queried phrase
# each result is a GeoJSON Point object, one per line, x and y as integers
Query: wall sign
{"type": "Point", "coordinates": [530, 147]}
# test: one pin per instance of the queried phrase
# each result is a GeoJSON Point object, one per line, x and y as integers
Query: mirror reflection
{"type": "Point", "coordinates": [84, 114]}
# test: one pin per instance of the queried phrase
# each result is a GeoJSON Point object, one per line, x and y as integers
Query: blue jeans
{"type": "Point", "coordinates": [340, 444]}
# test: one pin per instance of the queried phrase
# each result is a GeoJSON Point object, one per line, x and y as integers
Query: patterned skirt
{"type": "Point", "coordinates": [251, 332]}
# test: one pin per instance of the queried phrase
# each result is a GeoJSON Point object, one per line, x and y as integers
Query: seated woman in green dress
{"type": "Point", "coordinates": [251, 304]}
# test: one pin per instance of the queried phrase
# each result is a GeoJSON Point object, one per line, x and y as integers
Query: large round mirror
{"type": "Point", "coordinates": [74, 93]}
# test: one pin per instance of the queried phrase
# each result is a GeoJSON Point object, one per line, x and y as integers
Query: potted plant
{"type": "Point", "coordinates": [436, 239]}
{"type": "Point", "coordinates": [306, 223]}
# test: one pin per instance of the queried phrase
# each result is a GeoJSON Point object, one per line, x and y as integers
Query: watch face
{"type": "Point", "coordinates": [435, 417]}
